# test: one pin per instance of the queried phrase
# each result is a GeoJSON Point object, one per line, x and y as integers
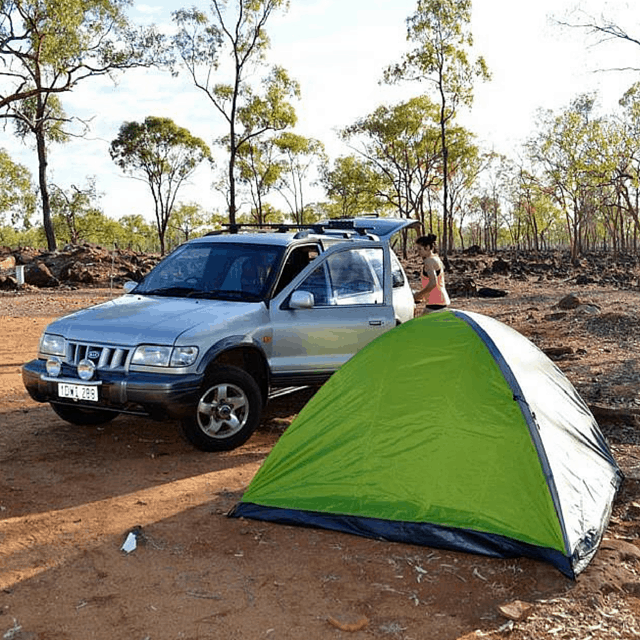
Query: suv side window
{"type": "Point", "coordinates": [296, 261]}
{"type": "Point", "coordinates": [346, 278]}
{"type": "Point", "coordinates": [397, 275]}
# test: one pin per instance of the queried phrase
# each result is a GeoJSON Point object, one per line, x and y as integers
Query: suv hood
{"type": "Point", "coordinates": [129, 320]}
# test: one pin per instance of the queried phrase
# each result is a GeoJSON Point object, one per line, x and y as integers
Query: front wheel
{"type": "Point", "coordinates": [227, 413]}
{"type": "Point", "coordinates": [82, 417]}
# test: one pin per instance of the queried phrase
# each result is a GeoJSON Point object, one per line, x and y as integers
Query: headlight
{"type": "Point", "coordinates": [155, 356]}
{"type": "Point", "coordinates": [53, 345]}
{"type": "Point", "coordinates": [152, 356]}
{"type": "Point", "coordinates": [184, 356]}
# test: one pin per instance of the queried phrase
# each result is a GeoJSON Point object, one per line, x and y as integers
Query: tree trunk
{"type": "Point", "coordinates": [232, 183]}
{"type": "Point", "coordinates": [44, 191]}
{"type": "Point", "coordinates": [445, 183]}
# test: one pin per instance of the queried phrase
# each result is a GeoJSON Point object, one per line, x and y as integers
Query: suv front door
{"type": "Point", "coordinates": [343, 302]}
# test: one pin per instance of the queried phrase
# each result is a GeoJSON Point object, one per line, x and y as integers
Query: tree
{"type": "Point", "coordinates": [236, 37]}
{"type": "Point", "coordinates": [163, 155]}
{"type": "Point", "coordinates": [301, 156]}
{"type": "Point", "coordinates": [47, 47]}
{"type": "Point", "coordinates": [440, 30]}
{"type": "Point", "coordinates": [71, 207]}
{"type": "Point", "coordinates": [353, 186]}
{"type": "Point", "coordinates": [627, 177]}
{"type": "Point", "coordinates": [137, 233]}
{"type": "Point", "coordinates": [570, 148]}
{"type": "Point", "coordinates": [17, 195]}
{"type": "Point", "coordinates": [403, 145]}
{"type": "Point", "coordinates": [259, 169]}
{"type": "Point", "coordinates": [186, 220]}
{"type": "Point", "coordinates": [604, 29]}
{"type": "Point", "coordinates": [466, 163]}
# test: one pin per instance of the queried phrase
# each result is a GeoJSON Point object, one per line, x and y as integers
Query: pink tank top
{"type": "Point", "coordinates": [439, 294]}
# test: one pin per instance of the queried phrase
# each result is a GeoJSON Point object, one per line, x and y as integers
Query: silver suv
{"type": "Point", "coordinates": [221, 323]}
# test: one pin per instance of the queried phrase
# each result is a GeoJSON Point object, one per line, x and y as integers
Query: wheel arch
{"type": "Point", "coordinates": [248, 356]}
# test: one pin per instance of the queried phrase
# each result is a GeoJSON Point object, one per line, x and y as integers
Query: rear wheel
{"type": "Point", "coordinates": [228, 410]}
{"type": "Point", "coordinates": [81, 416]}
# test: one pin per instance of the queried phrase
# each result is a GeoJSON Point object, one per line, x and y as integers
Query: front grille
{"type": "Point", "coordinates": [104, 357]}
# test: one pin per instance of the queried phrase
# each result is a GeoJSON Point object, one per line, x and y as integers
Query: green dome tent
{"type": "Point", "coordinates": [453, 431]}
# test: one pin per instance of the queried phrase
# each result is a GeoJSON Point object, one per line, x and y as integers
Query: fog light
{"type": "Point", "coordinates": [54, 367]}
{"type": "Point", "coordinates": [86, 369]}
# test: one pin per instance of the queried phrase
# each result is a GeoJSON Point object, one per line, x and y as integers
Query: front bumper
{"type": "Point", "coordinates": [160, 396]}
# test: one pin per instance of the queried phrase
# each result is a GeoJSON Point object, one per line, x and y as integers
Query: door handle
{"type": "Point", "coordinates": [376, 323]}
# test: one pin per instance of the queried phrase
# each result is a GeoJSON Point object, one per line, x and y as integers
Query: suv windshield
{"type": "Point", "coordinates": [221, 271]}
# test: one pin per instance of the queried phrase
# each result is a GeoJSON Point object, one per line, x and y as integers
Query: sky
{"type": "Point", "coordinates": [337, 50]}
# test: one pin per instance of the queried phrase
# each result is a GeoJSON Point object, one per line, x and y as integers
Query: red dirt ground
{"type": "Point", "coordinates": [69, 495]}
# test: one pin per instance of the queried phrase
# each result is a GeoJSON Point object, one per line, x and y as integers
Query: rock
{"type": "Point", "coordinates": [8, 283]}
{"type": "Point", "coordinates": [588, 309]}
{"type": "Point", "coordinates": [516, 610]}
{"type": "Point", "coordinates": [556, 316]}
{"type": "Point", "coordinates": [569, 302]}
{"type": "Point", "coordinates": [8, 263]}
{"type": "Point", "coordinates": [500, 266]}
{"type": "Point", "coordinates": [461, 287]}
{"type": "Point", "coordinates": [625, 550]}
{"type": "Point", "coordinates": [39, 275]}
{"type": "Point", "coordinates": [557, 352]}
{"type": "Point", "coordinates": [86, 264]}
{"type": "Point", "coordinates": [615, 416]}
{"type": "Point", "coordinates": [489, 292]}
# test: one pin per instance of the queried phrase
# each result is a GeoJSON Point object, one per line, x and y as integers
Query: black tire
{"type": "Point", "coordinates": [82, 416]}
{"type": "Point", "coordinates": [228, 411]}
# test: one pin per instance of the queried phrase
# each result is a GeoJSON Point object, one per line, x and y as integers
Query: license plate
{"type": "Point", "coordinates": [78, 391]}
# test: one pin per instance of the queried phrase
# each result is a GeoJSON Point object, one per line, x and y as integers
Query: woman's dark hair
{"type": "Point", "coordinates": [427, 241]}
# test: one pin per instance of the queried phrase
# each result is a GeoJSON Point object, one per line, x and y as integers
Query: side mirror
{"type": "Point", "coordinates": [301, 300]}
{"type": "Point", "coordinates": [129, 286]}
{"type": "Point", "coordinates": [397, 279]}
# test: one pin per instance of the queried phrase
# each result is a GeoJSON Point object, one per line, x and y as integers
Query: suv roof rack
{"type": "Point", "coordinates": [336, 224]}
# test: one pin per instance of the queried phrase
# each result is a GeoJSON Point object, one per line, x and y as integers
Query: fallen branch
{"type": "Point", "coordinates": [349, 626]}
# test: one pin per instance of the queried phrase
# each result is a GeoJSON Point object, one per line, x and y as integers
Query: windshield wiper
{"type": "Point", "coordinates": [169, 291]}
{"type": "Point", "coordinates": [227, 294]}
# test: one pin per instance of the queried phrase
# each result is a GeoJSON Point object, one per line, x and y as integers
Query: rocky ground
{"type": "Point", "coordinates": [69, 496]}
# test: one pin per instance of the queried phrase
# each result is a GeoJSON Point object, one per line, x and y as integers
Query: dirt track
{"type": "Point", "coordinates": [68, 497]}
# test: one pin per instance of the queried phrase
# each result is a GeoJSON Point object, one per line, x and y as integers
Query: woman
{"type": "Point", "coordinates": [432, 277]}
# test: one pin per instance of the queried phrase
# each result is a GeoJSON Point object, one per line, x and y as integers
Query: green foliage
{"type": "Point", "coordinates": [49, 46]}
{"type": "Point", "coordinates": [17, 193]}
{"type": "Point", "coordinates": [137, 234]}
{"type": "Point", "coordinates": [161, 154]}
{"type": "Point", "coordinates": [234, 37]}
{"type": "Point", "coordinates": [270, 111]}
{"type": "Point", "coordinates": [353, 187]}
{"type": "Point", "coordinates": [440, 31]}
{"type": "Point", "coordinates": [402, 144]}
{"type": "Point", "coordinates": [300, 157]}
{"type": "Point", "coordinates": [576, 158]}
{"type": "Point", "coordinates": [41, 115]}
{"type": "Point", "coordinates": [187, 221]}
{"type": "Point", "coordinates": [157, 148]}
